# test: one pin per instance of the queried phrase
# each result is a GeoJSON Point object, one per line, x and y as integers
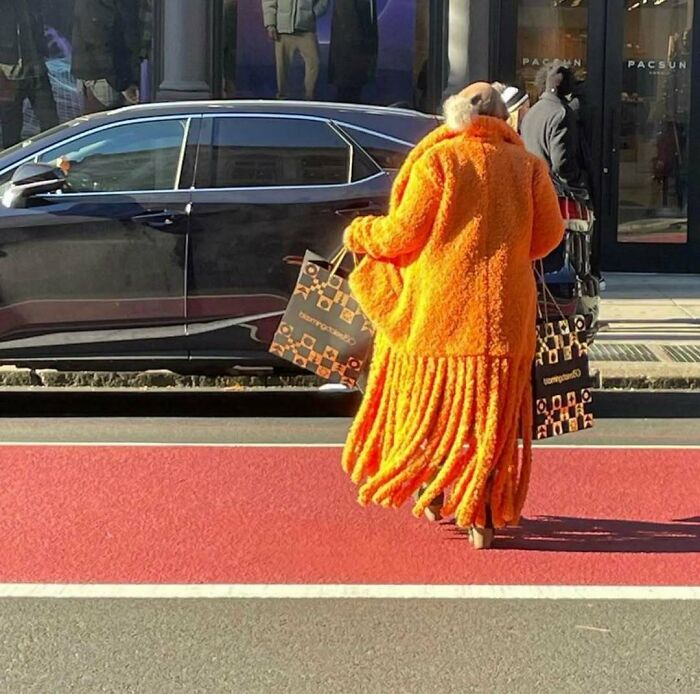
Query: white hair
{"type": "Point", "coordinates": [461, 109]}
{"type": "Point", "coordinates": [459, 112]}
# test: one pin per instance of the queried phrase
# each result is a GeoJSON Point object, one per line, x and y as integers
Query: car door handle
{"type": "Point", "coordinates": [164, 219]}
{"type": "Point", "coordinates": [360, 209]}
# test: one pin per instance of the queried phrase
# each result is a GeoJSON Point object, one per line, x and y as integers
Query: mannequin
{"type": "Point", "coordinates": [354, 47]}
{"type": "Point", "coordinates": [23, 72]}
{"type": "Point", "coordinates": [108, 46]}
{"type": "Point", "coordinates": [291, 25]}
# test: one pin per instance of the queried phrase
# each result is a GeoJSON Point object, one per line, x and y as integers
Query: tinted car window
{"type": "Point", "coordinates": [129, 157]}
{"type": "Point", "coordinates": [248, 152]}
{"type": "Point", "coordinates": [362, 166]}
{"type": "Point", "coordinates": [389, 154]}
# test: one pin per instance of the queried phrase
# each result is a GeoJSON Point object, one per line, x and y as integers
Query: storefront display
{"type": "Point", "coordinates": [82, 56]}
{"type": "Point", "coordinates": [356, 51]}
{"type": "Point", "coordinates": [62, 58]}
{"type": "Point", "coordinates": [655, 122]}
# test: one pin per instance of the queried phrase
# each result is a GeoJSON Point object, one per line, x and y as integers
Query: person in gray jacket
{"type": "Point", "coordinates": [550, 130]}
{"type": "Point", "coordinates": [291, 24]}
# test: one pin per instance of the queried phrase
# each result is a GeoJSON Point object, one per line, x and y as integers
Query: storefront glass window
{"type": "Point", "coordinates": [361, 51]}
{"type": "Point", "coordinates": [549, 31]}
{"type": "Point", "coordinates": [63, 58]}
{"type": "Point", "coordinates": [655, 122]}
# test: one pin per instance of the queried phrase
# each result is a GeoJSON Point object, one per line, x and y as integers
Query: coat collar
{"type": "Point", "coordinates": [492, 130]}
{"type": "Point", "coordinates": [483, 128]}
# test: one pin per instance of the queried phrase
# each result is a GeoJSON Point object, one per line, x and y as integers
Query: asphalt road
{"type": "Point", "coordinates": [494, 647]}
{"type": "Point", "coordinates": [312, 644]}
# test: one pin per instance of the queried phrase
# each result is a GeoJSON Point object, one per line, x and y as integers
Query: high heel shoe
{"type": "Point", "coordinates": [434, 512]}
{"type": "Point", "coordinates": [481, 538]}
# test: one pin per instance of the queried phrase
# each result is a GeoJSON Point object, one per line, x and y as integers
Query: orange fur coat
{"type": "Point", "coordinates": [447, 280]}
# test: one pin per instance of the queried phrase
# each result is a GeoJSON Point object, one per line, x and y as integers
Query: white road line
{"type": "Point", "coordinates": [165, 444]}
{"type": "Point", "coordinates": [336, 592]}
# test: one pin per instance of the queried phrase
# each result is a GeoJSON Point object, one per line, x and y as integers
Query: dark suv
{"type": "Point", "coordinates": [176, 239]}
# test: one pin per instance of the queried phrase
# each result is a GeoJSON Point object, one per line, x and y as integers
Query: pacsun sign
{"type": "Point", "coordinates": [657, 64]}
{"type": "Point", "coordinates": [540, 62]}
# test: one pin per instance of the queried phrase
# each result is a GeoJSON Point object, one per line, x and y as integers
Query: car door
{"type": "Point", "coordinates": [101, 267]}
{"type": "Point", "coordinates": [267, 188]}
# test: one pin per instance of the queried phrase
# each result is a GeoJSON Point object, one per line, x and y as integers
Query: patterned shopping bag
{"type": "Point", "coordinates": [323, 329]}
{"type": "Point", "coordinates": [561, 378]}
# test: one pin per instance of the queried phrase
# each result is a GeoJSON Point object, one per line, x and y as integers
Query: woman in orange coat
{"type": "Point", "coordinates": [447, 280]}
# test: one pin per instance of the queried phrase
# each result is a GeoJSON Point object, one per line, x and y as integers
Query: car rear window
{"type": "Point", "coordinates": [387, 152]}
{"type": "Point", "coordinates": [260, 152]}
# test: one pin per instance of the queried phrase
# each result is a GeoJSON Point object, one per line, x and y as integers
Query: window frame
{"type": "Point", "coordinates": [206, 140]}
{"type": "Point", "coordinates": [186, 118]}
{"type": "Point", "coordinates": [381, 136]}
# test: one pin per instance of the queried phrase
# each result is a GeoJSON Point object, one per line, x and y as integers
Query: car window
{"type": "Point", "coordinates": [249, 152]}
{"type": "Point", "coordinates": [362, 165]}
{"type": "Point", "coordinates": [128, 157]}
{"type": "Point", "coordinates": [388, 153]}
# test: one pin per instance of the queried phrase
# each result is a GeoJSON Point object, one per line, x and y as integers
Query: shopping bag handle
{"type": "Point", "coordinates": [339, 257]}
{"type": "Point", "coordinates": [547, 293]}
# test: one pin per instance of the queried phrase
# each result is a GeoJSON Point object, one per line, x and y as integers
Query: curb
{"type": "Point", "coordinates": [283, 403]}
{"type": "Point", "coordinates": [13, 377]}
{"type": "Point", "coordinates": [605, 377]}
{"type": "Point", "coordinates": [645, 376]}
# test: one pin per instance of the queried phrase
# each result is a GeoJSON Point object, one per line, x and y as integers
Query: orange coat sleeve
{"type": "Point", "coordinates": [548, 225]}
{"type": "Point", "coordinates": [407, 227]}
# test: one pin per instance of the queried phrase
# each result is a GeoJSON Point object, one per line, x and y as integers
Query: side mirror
{"type": "Point", "coordinates": [32, 179]}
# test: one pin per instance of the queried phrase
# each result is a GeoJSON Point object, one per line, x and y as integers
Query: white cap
{"type": "Point", "coordinates": [514, 98]}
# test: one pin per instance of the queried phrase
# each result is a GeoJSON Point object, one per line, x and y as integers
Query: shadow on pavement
{"type": "Point", "coordinates": [564, 534]}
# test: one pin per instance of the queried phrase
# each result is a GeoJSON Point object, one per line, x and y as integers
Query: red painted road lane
{"type": "Point", "coordinates": [288, 515]}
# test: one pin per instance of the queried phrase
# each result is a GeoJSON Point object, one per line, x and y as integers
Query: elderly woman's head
{"type": "Point", "coordinates": [478, 99]}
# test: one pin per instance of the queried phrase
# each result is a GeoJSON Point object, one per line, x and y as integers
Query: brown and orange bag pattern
{"type": "Point", "coordinates": [324, 329]}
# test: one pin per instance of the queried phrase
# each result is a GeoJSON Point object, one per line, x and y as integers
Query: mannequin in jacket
{"type": "Point", "coordinates": [291, 25]}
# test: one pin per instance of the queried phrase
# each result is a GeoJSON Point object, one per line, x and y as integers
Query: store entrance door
{"type": "Point", "coordinates": [649, 211]}
{"type": "Point", "coordinates": [633, 62]}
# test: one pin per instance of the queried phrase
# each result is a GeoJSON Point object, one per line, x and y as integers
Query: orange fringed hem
{"type": "Point", "coordinates": [451, 423]}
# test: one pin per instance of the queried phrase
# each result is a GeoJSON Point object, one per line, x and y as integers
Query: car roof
{"type": "Point", "coordinates": [271, 106]}
{"type": "Point", "coordinates": [397, 122]}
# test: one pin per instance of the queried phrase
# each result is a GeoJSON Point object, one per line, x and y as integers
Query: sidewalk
{"type": "Point", "coordinates": [650, 332]}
